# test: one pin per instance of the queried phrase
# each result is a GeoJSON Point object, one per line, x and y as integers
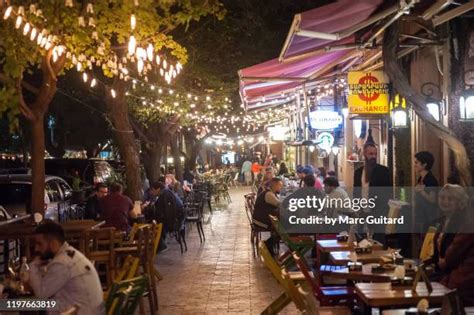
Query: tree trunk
{"type": "Point", "coordinates": [152, 161]}
{"type": "Point", "coordinates": [37, 164]}
{"type": "Point", "coordinates": [402, 85]}
{"type": "Point", "coordinates": [174, 144]}
{"type": "Point", "coordinates": [118, 111]}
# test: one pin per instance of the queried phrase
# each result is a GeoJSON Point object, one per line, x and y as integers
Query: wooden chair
{"type": "Point", "coordinates": [142, 248]}
{"type": "Point", "coordinates": [71, 311]}
{"type": "Point", "coordinates": [427, 249]}
{"type": "Point", "coordinates": [99, 248]}
{"type": "Point", "coordinates": [255, 231]}
{"type": "Point", "coordinates": [330, 295]}
{"type": "Point", "coordinates": [127, 271]}
{"type": "Point", "coordinates": [125, 296]}
{"type": "Point", "coordinates": [298, 244]}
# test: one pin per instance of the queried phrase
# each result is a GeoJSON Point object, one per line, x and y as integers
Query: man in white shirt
{"type": "Point", "coordinates": [64, 274]}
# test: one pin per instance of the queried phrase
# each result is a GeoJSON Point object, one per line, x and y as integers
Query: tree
{"type": "Point", "coordinates": [93, 39]}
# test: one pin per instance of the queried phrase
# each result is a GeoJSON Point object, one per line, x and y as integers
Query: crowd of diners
{"type": "Point", "coordinates": [448, 208]}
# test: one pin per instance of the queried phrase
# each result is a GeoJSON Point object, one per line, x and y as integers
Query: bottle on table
{"type": "Point", "coordinates": [24, 270]}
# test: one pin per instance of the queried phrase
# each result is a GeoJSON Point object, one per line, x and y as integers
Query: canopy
{"type": "Point", "coordinates": [303, 56]}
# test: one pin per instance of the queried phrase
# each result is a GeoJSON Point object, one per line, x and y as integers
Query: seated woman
{"type": "Point", "coordinates": [457, 265]}
{"type": "Point", "coordinates": [453, 203]}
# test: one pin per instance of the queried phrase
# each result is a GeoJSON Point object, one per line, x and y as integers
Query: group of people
{"type": "Point", "coordinates": [449, 209]}
{"type": "Point", "coordinates": [162, 202]}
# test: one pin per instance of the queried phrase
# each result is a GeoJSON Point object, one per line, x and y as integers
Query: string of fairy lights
{"type": "Point", "coordinates": [202, 111]}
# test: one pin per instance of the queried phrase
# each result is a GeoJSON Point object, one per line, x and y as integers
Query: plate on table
{"type": "Point", "coordinates": [389, 266]}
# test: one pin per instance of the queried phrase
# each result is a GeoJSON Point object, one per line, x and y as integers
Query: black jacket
{"type": "Point", "coordinates": [379, 187]}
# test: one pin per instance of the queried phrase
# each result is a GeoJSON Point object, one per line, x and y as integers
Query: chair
{"type": "Point", "coordinates": [194, 214]}
{"type": "Point", "coordinates": [292, 291]}
{"type": "Point", "coordinates": [427, 249]}
{"type": "Point", "coordinates": [298, 244]}
{"type": "Point", "coordinates": [125, 295]}
{"type": "Point", "coordinates": [142, 248]}
{"type": "Point", "coordinates": [331, 295]}
{"type": "Point", "coordinates": [99, 247]}
{"type": "Point", "coordinates": [255, 230]}
{"type": "Point", "coordinates": [71, 311]}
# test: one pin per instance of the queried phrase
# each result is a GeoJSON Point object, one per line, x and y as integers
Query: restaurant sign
{"type": "Point", "coordinates": [368, 92]}
{"type": "Point", "coordinates": [325, 119]}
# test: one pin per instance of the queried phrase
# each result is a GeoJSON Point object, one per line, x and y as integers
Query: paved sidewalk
{"type": "Point", "coordinates": [220, 276]}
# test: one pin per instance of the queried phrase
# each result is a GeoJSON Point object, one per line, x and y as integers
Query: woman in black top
{"type": "Point", "coordinates": [426, 190]}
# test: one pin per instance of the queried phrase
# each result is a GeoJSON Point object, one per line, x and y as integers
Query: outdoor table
{"type": "Point", "coordinates": [327, 246]}
{"type": "Point", "coordinates": [365, 275]}
{"type": "Point", "coordinates": [25, 231]}
{"type": "Point", "coordinates": [385, 295]}
{"type": "Point", "coordinates": [342, 257]}
{"type": "Point", "coordinates": [15, 220]}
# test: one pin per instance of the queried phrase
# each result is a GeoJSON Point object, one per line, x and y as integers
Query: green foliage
{"type": "Point", "coordinates": [101, 44]}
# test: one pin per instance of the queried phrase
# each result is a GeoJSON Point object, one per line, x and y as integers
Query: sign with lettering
{"type": "Point", "coordinates": [325, 119]}
{"type": "Point", "coordinates": [368, 92]}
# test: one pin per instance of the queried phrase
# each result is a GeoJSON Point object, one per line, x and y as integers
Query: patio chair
{"type": "Point", "coordinates": [125, 296]}
{"type": "Point", "coordinates": [194, 214]}
{"type": "Point", "coordinates": [298, 244]}
{"type": "Point", "coordinates": [329, 295]}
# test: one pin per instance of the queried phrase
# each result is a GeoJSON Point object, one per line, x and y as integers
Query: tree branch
{"type": "Point", "coordinates": [27, 86]}
{"type": "Point", "coordinates": [402, 85]}
{"type": "Point", "coordinates": [24, 109]}
{"type": "Point", "coordinates": [139, 130]}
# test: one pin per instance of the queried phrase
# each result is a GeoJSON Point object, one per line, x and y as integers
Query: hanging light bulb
{"type": "Point", "coordinates": [48, 45]}
{"type": "Point", "coordinates": [26, 29]}
{"type": "Point", "coordinates": [133, 22]}
{"type": "Point", "coordinates": [149, 52]}
{"type": "Point", "coordinates": [8, 12]}
{"type": "Point", "coordinates": [55, 56]}
{"type": "Point", "coordinates": [84, 77]}
{"type": "Point", "coordinates": [18, 22]}
{"type": "Point", "coordinates": [140, 65]}
{"type": "Point", "coordinates": [93, 82]}
{"type": "Point", "coordinates": [79, 66]}
{"type": "Point", "coordinates": [33, 34]}
{"type": "Point", "coordinates": [165, 64]}
{"type": "Point", "coordinates": [112, 92]}
{"type": "Point", "coordinates": [132, 45]}
{"type": "Point", "coordinates": [158, 59]}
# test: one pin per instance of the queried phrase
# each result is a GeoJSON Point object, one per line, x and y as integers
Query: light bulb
{"type": "Point", "coordinates": [33, 34]}
{"type": "Point", "coordinates": [93, 82]}
{"type": "Point", "coordinates": [18, 22]}
{"type": "Point", "coordinates": [132, 45]}
{"type": "Point", "coordinates": [8, 12]}
{"type": "Point", "coordinates": [149, 52]}
{"type": "Point", "coordinates": [79, 66]}
{"type": "Point", "coordinates": [26, 29]}
{"type": "Point", "coordinates": [112, 92]}
{"type": "Point", "coordinates": [140, 65]}
{"type": "Point", "coordinates": [133, 22]}
{"type": "Point", "coordinates": [84, 77]}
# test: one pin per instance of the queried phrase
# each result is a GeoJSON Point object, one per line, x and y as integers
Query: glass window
{"type": "Point", "coordinates": [53, 191]}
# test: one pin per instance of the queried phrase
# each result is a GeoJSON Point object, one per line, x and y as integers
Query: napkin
{"type": "Point", "coordinates": [364, 243]}
{"type": "Point", "coordinates": [423, 306]}
{"type": "Point", "coordinates": [399, 272]}
{"type": "Point", "coordinates": [353, 257]}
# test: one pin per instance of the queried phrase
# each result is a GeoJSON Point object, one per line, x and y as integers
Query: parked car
{"type": "Point", "coordinates": [89, 171]}
{"type": "Point", "coordinates": [16, 195]}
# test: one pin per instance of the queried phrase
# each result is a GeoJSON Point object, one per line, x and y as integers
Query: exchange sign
{"type": "Point", "coordinates": [368, 92]}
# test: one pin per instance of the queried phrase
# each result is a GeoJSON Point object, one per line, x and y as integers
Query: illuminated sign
{"type": "Point", "coordinates": [368, 92]}
{"type": "Point", "coordinates": [325, 140]}
{"type": "Point", "coordinates": [279, 133]}
{"type": "Point", "coordinates": [325, 119]}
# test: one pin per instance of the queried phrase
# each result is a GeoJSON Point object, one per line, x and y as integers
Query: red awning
{"type": "Point", "coordinates": [303, 57]}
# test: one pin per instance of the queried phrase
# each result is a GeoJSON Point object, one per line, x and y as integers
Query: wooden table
{"type": "Point", "coordinates": [384, 294]}
{"type": "Point", "coordinates": [342, 258]}
{"type": "Point", "coordinates": [73, 229]}
{"type": "Point", "coordinates": [327, 246]}
{"type": "Point", "coordinates": [365, 275]}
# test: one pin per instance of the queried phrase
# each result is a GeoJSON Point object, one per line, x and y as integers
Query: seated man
{"type": "Point", "coordinates": [92, 209]}
{"type": "Point", "coordinates": [116, 209]}
{"type": "Point", "coordinates": [267, 203]}
{"type": "Point", "coordinates": [63, 273]}
{"type": "Point", "coordinates": [268, 175]}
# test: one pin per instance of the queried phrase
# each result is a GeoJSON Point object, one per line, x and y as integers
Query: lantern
{"type": "Point", "coordinates": [399, 112]}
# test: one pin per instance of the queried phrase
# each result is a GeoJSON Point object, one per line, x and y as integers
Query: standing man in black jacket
{"type": "Point", "coordinates": [373, 180]}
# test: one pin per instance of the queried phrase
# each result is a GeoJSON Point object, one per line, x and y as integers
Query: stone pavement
{"type": "Point", "coordinates": [220, 276]}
